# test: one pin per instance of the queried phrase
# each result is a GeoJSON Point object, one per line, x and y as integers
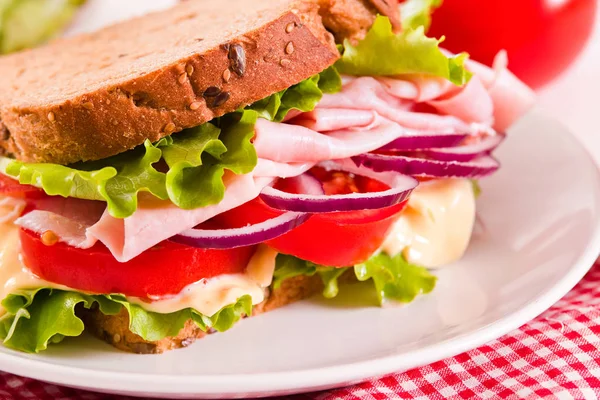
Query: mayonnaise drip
{"type": "Point", "coordinates": [435, 228]}
{"type": "Point", "coordinates": [210, 295]}
{"type": "Point", "coordinates": [14, 275]}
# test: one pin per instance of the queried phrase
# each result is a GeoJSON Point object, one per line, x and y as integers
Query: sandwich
{"type": "Point", "coordinates": [165, 177]}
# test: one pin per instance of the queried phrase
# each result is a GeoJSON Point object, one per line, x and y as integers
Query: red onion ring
{"type": "Point", "coordinates": [240, 237]}
{"type": "Point", "coordinates": [426, 140]}
{"type": "Point", "coordinates": [466, 152]}
{"type": "Point", "coordinates": [422, 167]}
{"type": "Point", "coordinates": [401, 187]}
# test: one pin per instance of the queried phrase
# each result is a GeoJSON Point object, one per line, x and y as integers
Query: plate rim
{"type": "Point", "coordinates": [295, 381]}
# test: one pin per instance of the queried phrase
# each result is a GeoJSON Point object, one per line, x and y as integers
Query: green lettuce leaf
{"type": "Point", "coordinates": [36, 318]}
{"type": "Point", "coordinates": [416, 13]}
{"type": "Point", "coordinates": [116, 180]}
{"type": "Point", "coordinates": [303, 97]}
{"type": "Point", "coordinates": [27, 23]}
{"type": "Point", "coordinates": [330, 277]}
{"type": "Point", "coordinates": [476, 188]}
{"type": "Point", "coordinates": [395, 279]}
{"type": "Point", "coordinates": [287, 267]}
{"type": "Point", "coordinates": [382, 52]}
{"type": "Point", "coordinates": [197, 159]}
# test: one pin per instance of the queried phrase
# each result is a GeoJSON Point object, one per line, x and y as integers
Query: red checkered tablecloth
{"type": "Point", "coordinates": [557, 355]}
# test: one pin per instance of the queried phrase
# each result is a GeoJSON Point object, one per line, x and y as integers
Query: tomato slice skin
{"type": "Point", "coordinates": [330, 241]}
{"type": "Point", "coordinates": [162, 271]}
{"type": "Point", "coordinates": [12, 188]}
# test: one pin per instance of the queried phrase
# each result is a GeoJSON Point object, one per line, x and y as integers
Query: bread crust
{"type": "Point", "coordinates": [115, 329]}
{"type": "Point", "coordinates": [65, 124]}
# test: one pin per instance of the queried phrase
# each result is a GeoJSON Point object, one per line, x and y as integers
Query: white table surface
{"type": "Point", "coordinates": [574, 98]}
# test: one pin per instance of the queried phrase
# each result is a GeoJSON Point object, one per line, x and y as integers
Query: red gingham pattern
{"type": "Point", "coordinates": [555, 356]}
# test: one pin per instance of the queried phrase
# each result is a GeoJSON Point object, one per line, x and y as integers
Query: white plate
{"type": "Point", "coordinates": [542, 234]}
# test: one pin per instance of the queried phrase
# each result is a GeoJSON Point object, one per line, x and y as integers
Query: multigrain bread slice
{"type": "Point", "coordinates": [96, 95]}
{"type": "Point", "coordinates": [115, 329]}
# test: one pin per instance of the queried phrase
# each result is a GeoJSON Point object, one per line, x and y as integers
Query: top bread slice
{"type": "Point", "coordinates": [99, 94]}
{"type": "Point", "coordinates": [96, 95]}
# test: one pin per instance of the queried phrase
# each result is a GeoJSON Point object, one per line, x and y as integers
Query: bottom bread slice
{"type": "Point", "coordinates": [114, 329]}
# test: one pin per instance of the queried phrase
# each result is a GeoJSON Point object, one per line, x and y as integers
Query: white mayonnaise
{"type": "Point", "coordinates": [210, 295]}
{"type": "Point", "coordinates": [13, 273]}
{"type": "Point", "coordinates": [435, 228]}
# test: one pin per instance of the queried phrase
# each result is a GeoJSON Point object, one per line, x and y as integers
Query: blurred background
{"type": "Point", "coordinates": [553, 45]}
{"type": "Point", "coordinates": [574, 97]}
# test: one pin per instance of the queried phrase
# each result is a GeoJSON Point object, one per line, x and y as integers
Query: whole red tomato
{"type": "Point", "coordinates": [542, 37]}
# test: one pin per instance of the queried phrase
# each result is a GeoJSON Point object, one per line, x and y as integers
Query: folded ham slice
{"type": "Point", "coordinates": [157, 220]}
{"type": "Point", "coordinates": [333, 119]}
{"type": "Point", "coordinates": [11, 208]}
{"type": "Point", "coordinates": [379, 96]}
{"type": "Point", "coordinates": [511, 97]}
{"type": "Point", "coordinates": [286, 143]}
{"type": "Point", "coordinates": [471, 104]}
{"type": "Point", "coordinates": [69, 218]}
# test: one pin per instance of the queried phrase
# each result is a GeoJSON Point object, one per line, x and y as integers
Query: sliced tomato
{"type": "Point", "coordinates": [12, 188]}
{"type": "Point", "coordinates": [163, 270]}
{"type": "Point", "coordinates": [338, 239]}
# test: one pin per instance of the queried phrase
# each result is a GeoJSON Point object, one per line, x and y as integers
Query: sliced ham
{"type": "Point", "coordinates": [511, 97]}
{"type": "Point", "coordinates": [269, 168]}
{"type": "Point", "coordinates": [333, 119]}
{"type": "Point", "coordinates": [493, 96]}
{"type": "Point", "coordinates": [419, 88]}
{"type": "Point", "coordinates": [70, 230]}
{"type": "Point", "coordinates": [471, 104]}
{"type": "Point", "coordinates": [155, 220]}
{"type": "Point", "coordinates": [10, 209]}
{"type": "Point", "coordinates": [287, 143]}
{"type": "Point", "coordinates": [366, 93]}
{"type": "Point", "coordinates": [84, 211]}
{"type": "Point", "coordinates": [371, 95]}
{"type": "Point", "coordinates": [69, 218]}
